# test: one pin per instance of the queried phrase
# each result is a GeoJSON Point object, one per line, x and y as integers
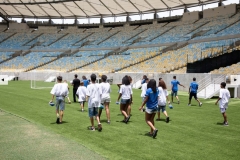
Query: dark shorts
{"type": "Point", "coordinates": [174, 93]}
{"type": "Point", "coordinates": [92, 111]}
{"type": "Point", "coordinates": [193, 95]}
{"type": "Point", "coordinates": [125, 101]}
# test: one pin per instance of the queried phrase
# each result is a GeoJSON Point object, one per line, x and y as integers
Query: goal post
{"type": "Point", "coordinates": [43, 80]}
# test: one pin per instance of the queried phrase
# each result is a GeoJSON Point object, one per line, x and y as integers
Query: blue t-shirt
{"type": "Point", "coordinates": [175, 84]}
{"type": "Point", "coordinates": [152, 98]}
{"type": "Point", "coordinates": [85, 82]}
{"type": "Point", "coordinates": [143, 81]}
{"type": "Point", "coordinates": [194, 87]}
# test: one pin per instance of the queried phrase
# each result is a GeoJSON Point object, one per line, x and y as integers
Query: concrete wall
{"type": "Point", "coordinates": [190, 16]}
{"type": "Point", "coordinates": [184, 79]}
{"type": "Point", "coordinates": [18, 26]}
{"type": "Point", "coordinates": [223, 10]}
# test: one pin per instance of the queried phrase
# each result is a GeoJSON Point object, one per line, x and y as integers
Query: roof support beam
{"type": "Point", "coordinates": [120, 6]}
{"type": "Point", "coordinates": [29, 9]}
{"type": "Point", "coordinates": [4, 17]}
{"type": "Point", "coordinates": [55, 9]}
{"type": "Point", "coordinates": [43, 10]}
{"type": "Point", "coordinates": [81, 9]}
{"type": "Point", "coordinates": [149, 4]}
{"type": "Point", "coordinates": [165, 4]}
{"type": "Point", "coordinates": [134, 5]}
{"type": "Point", "coordinates": [29, 3]}
{"type": "Point", "coordinates": [93, 7]}
{"type": "Point", "coordinates": [106, 7]}
{"type": "Point", "coordinates": [69, 10]}
{"type": "Point", "coordinates": [17, 10]}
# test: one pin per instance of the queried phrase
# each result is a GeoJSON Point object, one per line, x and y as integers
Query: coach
{"type": "Point", "coordinates": [75, 84]}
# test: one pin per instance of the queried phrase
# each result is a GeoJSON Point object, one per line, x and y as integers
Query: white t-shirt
{"type": "Point", "coordinates": [144, 89]}
{"type": "Point", "coordinates": [81, 92]}
{"type": "Point", "coordinates": [60, 89]}
{"type": "Point", "coordinates": [126, 91]}
{"type": "Point", "coordinates": [105, 90]}
{"type": "Point", "coordinates": [224, 95]}
{"type": "Point", "coordinates": [94, 94]}
{"type": "Point", "coordinates": [163, 93]}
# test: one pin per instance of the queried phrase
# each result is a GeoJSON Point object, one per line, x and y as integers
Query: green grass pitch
{"type": "Point", "coordinates": [193, 133]}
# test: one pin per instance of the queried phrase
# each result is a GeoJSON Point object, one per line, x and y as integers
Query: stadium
{"type": "Point", "coordinates": [41, 40]}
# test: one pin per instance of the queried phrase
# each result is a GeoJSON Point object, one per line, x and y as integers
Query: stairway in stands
{"type": "Point", "coordinates": [58, 57]}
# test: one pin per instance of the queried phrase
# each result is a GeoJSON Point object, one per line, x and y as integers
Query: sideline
{"type": "Point", "coordinates": [21, 139]}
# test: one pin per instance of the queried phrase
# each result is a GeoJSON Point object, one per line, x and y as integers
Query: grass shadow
{"type": "Point", "coordinates": [218, 123]}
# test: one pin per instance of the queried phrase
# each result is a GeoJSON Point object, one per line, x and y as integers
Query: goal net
{"type": "Point", "coordinates": [43, 80]}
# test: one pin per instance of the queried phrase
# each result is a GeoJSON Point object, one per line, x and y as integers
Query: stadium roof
{"type": "Point", "coordinates": [56, 9]}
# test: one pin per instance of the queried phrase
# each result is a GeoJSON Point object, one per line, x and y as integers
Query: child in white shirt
{"type": "Point", "coordinates": [81, 93]}
{"type": "Point", "coordinates": [60, 91]}
{"type": "Point", "coordinates": [162, 101]}
{"type": "Point", "coordinates": [94, 101]}
{"type": "Point", "coordinates": [126, 94]}
{"type": "Point", "coordinates": [105, 99]}
{"type": "Point", "coordinates": [223, 100]}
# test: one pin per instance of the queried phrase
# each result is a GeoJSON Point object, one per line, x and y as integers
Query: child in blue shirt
{"type": "Point", "coordinates": [193, 92]}
{"type": "Point", "coordinates": [151, 99]}
{"type": "Point", "coordinates": [175, 84]}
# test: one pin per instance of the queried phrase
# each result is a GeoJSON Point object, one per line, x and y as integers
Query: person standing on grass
{"type": "Point", "coordinates": [105, 99]}
{"type": "Point", "coordinates": [143, 79]}
{"type": "Point", "coordinates": [66, 83]}
{"type": "Point", "coordinates": [144, 89]}
{"type": "Point", "coordinates": [60, 91]}
{"type": "Point", "coordinates": [223, 100]}
{"type": "Point", "coordinates": [85, 81]}
{"type": "Point", "coordinates": [151, 100]}
{"type": "Point", "coordinates": [129, 106]}
{"type": "Point", "coordinates": [193, 92]}
{"type": "Point", "coordinates": [162, 101]}
{"type": "Point", "coordinates": [175, 84]}
{"type": "Point", "coordinates": [81, 93]}
{"type": "Point", "coordinates": [94, 99]}
{"type": "Point", "coordinates": [125, 93]}
{"type": "Point", "coordinates": [75, 84]}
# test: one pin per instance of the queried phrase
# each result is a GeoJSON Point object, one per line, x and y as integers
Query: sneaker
{"type": "Point", "coordinates": [99, 127]}
{"type": "Point", "coordinates": [200, 104]}
{"type": "Point", "coordinates": [91, 128]}
{"type": "Point", "coordinates": [57, 121]}
{"type": "Point", "coordinates": [225, 123]}
{"type": "Point", "coordinates": [167, 119]}
{"type": "Point", "coordinates": [108, 122]}
{"type": "Point", "coordinates": [178, 102]}
{"type": "Point", "coordinates": [158, 119]}
{"type": "Point", "coordinates": [155, 133]}
{"type": "Point", "coordinates": [82, 110]}
{"type": "Point", "coordinates": [189, 104]}
{"type": "Point", "coordinates": [127, 119]}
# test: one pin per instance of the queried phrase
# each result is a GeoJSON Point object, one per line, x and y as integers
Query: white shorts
{"type": "Point", "coordinates": [223, 110]}
{"type": "Point", "coordinates": [105, 100]}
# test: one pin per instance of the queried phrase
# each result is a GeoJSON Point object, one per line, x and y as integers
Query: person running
{"type": "Point", "coordinates": [105, 99]}
{"type": "Point", "coordinates": [223, 100]}
{"type": "Point", "coordinates": [144, 89]}
{"type": "Point", "coordinates": [81, 92]}
{"type": "Point", "coordinates": [75, 84]}
{"type": "Point", "coordinates": [193, 92]}
{"type": "Point", "coordinates": [60, 91]}
{"type": "Point", "coordinates": [162, 101]}
{"type": "Point", "coordinates": [94, 98]}
{"type": "Point", "coordinates": [125, 93]}
{"type": "Point", "coordinates": [175, 84]}
{"type": "Point", "coordinates": [151, 100]}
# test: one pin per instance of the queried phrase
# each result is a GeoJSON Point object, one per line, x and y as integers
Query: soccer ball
{"type": "Point", "coordinates": [51, 104]}
{"type": "Point", "coordinates": [170, 106]}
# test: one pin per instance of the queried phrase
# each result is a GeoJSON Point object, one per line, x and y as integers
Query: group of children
{"type": "Point", "coordinates": [154, 96]}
